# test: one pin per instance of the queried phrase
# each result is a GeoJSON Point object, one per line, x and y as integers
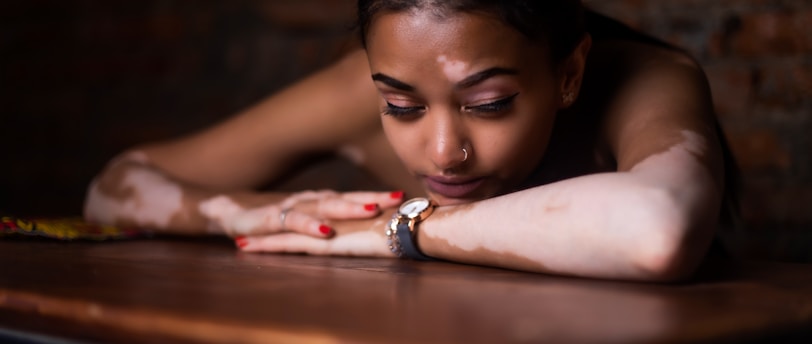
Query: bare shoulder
{"type": "Point", "coordinates": [649, 96]}
{"type": "Point", "coordinates": [632, 72]}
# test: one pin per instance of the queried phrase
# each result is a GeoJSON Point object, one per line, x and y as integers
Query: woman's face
{"type": "Point", "coordinates": [464, 81]}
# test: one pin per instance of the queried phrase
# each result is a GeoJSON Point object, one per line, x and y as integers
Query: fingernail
{"type": "Point", "coordinates": [396, 194]}
{"type": "Point", "coordinates": [241, 241]}
{"type": "Point", "coordinates": [371, 206]}
{"type": "Point", "coordinates": [324, 229]}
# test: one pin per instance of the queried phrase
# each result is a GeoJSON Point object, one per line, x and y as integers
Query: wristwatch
{"type": "Point", "coordinates": [402, 229]}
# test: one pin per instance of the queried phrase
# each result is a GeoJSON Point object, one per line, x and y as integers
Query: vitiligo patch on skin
{"type": "Point", "coordinates": [305, 196]}
{"type": "Point", "coordinates": [473, 242]}
{"type": "Point", "coordinates": [466, 243]}
{"type": "Point", "coordinates": [692, 146]}
{"type": "Point", "coordinates": [303, 212]}
{"type": "Point", "coordinates": [251, 221]}
{"type": "Point", "coordinates": [156, 201]}
{"type": "Point", "coordinates": [217, 209]}
{"type": "Point", "coordinates": [361, 244]}
{"type": "Point", "coordinates": [694, 143]}
{"type": "Point", "coordinates": [453, 70]}
{"type": "Point", "coordinates": [229, 216]}
{"type": "Point", "coordinates": [668, 166]}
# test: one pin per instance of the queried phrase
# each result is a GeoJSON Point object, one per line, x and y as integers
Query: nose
{"type": "Point", "coordinates": [447, 136]}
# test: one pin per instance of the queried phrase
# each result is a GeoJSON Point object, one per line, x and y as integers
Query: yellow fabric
{"type": "Point", "coordinates": [73, 228]}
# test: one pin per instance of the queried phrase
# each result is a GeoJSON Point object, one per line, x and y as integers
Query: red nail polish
{"type": "Point", "coordinates": [324, 229]}
{"type": "Point", "coordinates": [396, 194]}
{"type": "Point", "coordinates": [371, 207]}
{"type": "Point", "coordinates": [241, 241]}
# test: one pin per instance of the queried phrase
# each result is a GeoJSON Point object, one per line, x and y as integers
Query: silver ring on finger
{"type": "Point", "coordinates": [283, 215]}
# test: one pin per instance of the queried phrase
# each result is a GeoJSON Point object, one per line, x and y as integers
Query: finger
{"type": "Point", "coordinates": [337, 208]}
{"type": "Point", "coordinates": [272, 219]}
{"type": "Point", "coordinates": [284, 243]}
{"type": "Point", "coordinates": [360, 244]}
{"type": "Point", "coordinates": [301, 222]}
{"type": "Point", "coordinates": [382, 199]}
{"type": "Point", "coordinates": [305, 196]}
{"type": "Point", "coordinates": [342, 209]}
{"type": "Point", "coordinates": [351, 205]}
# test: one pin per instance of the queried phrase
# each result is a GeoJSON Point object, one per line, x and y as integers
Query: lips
{"type": "Point", "coordinates": [454, 187]}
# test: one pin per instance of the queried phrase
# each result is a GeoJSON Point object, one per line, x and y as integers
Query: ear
{"type": "Point", "coordinates": [572, 72]}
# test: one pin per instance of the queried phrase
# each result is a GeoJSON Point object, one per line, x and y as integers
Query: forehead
{"type": "Point", "coordinates": [421, 36]}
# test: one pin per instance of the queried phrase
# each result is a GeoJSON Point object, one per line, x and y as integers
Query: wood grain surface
{"type": "Point", "coordinates": [204, 290]}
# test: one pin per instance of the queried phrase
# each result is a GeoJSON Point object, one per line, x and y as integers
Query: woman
{"type": "Point", "coordinates": [547, 147]}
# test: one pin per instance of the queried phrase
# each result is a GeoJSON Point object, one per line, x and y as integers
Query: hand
{"type": "Point", "coordinates": [310, 212]}
{"type": "Point", "coordinates": [358, 237]}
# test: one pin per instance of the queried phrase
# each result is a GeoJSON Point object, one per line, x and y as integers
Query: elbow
{"type": "Point", "coordinates": [667, 262]}
{"type": "Point", "coordinates": [100, 196]}
{"type": "Point", "coordinates": [673, 241]}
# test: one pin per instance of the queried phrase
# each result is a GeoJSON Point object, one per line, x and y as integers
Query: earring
{"type": "Point", "coordinates": [568, 98]}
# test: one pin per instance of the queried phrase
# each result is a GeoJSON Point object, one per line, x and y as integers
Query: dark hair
{"type": "Point", "coordinates": [557, 23]}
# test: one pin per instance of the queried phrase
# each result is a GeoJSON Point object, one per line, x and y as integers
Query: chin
{"type": "Point", "coordinates": [489, 189]}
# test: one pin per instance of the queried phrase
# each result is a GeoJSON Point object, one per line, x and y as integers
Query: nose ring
{"type": "Point", "coordinates": [466, 155]}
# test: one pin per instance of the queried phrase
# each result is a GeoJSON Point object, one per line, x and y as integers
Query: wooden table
{"type": "Point", "coordinates": [204, 290]}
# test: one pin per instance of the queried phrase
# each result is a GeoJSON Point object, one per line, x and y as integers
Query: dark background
{"type": "Point", "coordinates": [83, 80]}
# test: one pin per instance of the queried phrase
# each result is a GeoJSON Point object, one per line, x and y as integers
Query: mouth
{"type": "Point", "coordinates": [454, 187]}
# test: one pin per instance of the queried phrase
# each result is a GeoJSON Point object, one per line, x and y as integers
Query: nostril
{"type": "Point", "coordinates": [451, 157]}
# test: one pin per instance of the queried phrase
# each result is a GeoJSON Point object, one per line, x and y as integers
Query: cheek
{"type": "Point", "coordinates": [504, 148]}
{"type": "Point", "coordinates": [403, 140]}
{"type": "Point", "coordinates": [515, 147]}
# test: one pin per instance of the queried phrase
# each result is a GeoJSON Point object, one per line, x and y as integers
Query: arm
{"type": "Point", "coordinates": [651, 220]}
{"type": "Point", "coordinates": [162, 185]}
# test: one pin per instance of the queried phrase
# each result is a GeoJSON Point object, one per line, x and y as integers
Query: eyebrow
{"type": "Point", "coordinates": [479, 77]}
{"type": "Point", "coordinates": [469, 81]}
{"type": "Point", "coordinates": [392, 82]}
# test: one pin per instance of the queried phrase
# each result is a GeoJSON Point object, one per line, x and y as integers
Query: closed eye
{"type": "Point", "coordinates": [493, 107]}
{"type": "Point", "coordinates": [400, 111]}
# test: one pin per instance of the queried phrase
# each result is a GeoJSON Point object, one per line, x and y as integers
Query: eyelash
{"type": "Point", "coordinates": [398, 111]}
{"type": "Point", "coordinates": [498, 105]}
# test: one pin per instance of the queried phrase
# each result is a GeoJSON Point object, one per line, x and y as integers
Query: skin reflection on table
{"type": "Point", "coordinates": [203, 290]}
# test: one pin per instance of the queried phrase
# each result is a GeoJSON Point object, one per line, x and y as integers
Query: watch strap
{"type": "Point", "coordinates": [392, 240]}
{"type": "Point", "coordinates": [407, 244]}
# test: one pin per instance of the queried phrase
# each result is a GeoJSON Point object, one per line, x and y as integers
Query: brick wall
{"type": "Point", "coordinates": [82, 80]}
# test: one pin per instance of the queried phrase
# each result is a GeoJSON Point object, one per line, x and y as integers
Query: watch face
{"type": "Point", "coordinates": [413, 207]}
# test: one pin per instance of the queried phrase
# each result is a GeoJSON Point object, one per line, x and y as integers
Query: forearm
{"type": "Point", "coordinates": [131, 192]}
{"type": "Point", "coordinates": [605, 226]}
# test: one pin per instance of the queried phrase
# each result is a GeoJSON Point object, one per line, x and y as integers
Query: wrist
{"type": "Point", "coordinates": [216, 209]}
{"type": "Point", "coordinates": [402, 229]}
{"type": "Point", "coordinates": [426, 238]}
